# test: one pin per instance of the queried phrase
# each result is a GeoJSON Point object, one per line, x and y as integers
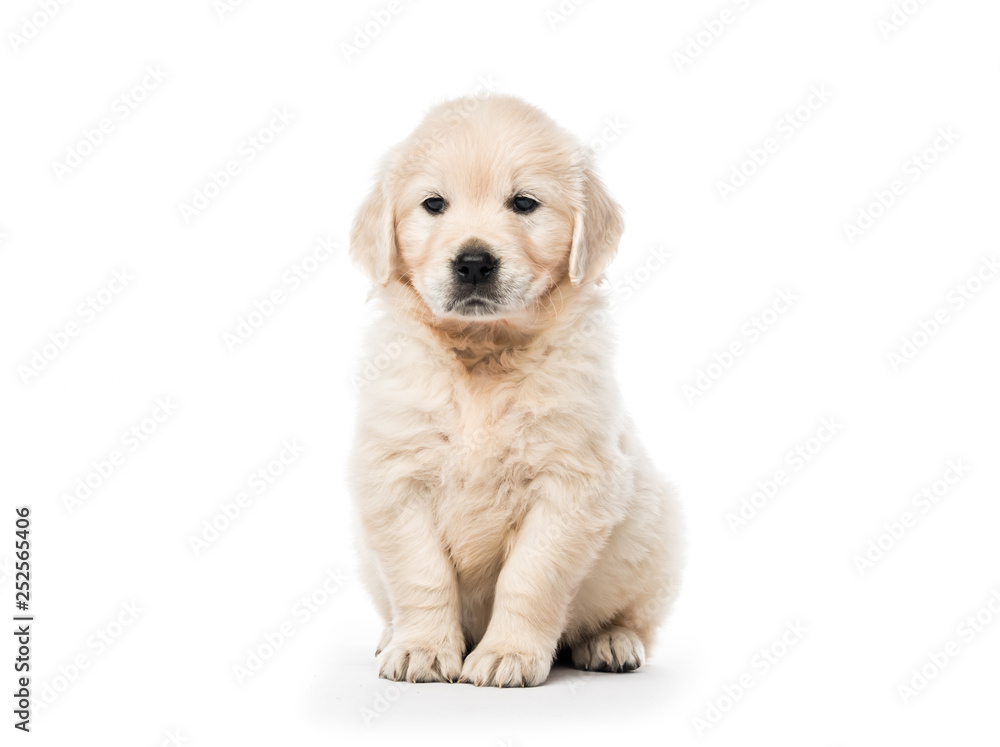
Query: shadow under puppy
{"type": "Point", "coordinates": [506, 510]}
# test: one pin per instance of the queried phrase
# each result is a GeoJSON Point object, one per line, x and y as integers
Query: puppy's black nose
{"type": "Point", "coordinates": [475, 267]}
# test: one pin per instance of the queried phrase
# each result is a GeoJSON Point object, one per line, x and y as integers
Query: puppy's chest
{"type": "Point", "coordinates": [486, 465]}
{"type": "Point", "coordinates": [487, 448]}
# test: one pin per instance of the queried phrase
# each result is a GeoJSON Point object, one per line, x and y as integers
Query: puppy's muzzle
{"type": "Point", "coordinates": [475, 266]}
{"type": "Point", "coordinates": [476, 284]}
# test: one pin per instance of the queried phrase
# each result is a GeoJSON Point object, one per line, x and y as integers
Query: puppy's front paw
{"type": "Point", "coordinates": [420, 661]}
{"type": "Point", "coordinates": [494, 667]}
{"type": "Point", "coordinates": [615, 649]}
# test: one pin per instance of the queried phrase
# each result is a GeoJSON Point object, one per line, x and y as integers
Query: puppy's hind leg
{"type": "Point", "coordinates": [614, 649]}
{"type": "Point", "coordinates": [643, 560]}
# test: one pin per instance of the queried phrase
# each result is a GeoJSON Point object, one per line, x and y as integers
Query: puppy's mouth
{"type": "Point", "coordinates": [474, 305]}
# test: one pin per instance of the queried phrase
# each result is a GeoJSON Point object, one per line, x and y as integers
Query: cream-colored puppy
{"type": "Point", "coordinates": [506, 508]}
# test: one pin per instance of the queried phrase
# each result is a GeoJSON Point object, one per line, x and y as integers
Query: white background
{"type": "Point", "coordinates": [679, 129]}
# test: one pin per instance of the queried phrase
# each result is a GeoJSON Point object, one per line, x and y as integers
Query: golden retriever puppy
{"type": "Point", "coordinates": [506, 510]}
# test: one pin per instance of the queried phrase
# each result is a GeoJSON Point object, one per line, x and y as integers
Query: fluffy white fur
{"type": "Point", "coordinates": [506, 509]}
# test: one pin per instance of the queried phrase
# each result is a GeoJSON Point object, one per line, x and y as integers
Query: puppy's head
{"type": "Point", "coordinates": [484, 210]}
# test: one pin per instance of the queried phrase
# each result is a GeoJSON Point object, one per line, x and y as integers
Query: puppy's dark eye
{"type": "Point", "coordinates": [522, 204]}
{"type": "Point", "coordinates": [434, 205]}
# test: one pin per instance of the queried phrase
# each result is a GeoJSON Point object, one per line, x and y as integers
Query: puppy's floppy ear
{"type": "Point", "coordinates": [597, 229]}
{"type": "Point", "coordinates": [373, 236]}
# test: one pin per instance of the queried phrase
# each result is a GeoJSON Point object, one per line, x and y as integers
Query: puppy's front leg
{"type": "Point", "coordinates": [427, 642]}
{"type": "Point", "coordinates": [560, 539]}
